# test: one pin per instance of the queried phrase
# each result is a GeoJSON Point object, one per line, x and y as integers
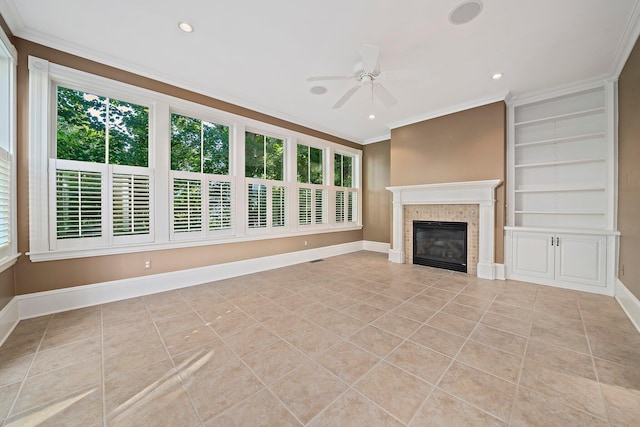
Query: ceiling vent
{"type": "Point", "coordinates": [465, 12]}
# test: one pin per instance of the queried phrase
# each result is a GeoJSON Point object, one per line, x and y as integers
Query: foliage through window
{"type": "Point", "coordinates": [343, 170]}
{"type": "Point", "coordinates": [199, 146]}
{"type": "Point", "coordinates": [264, 157]}
{"type": "Point", "coordinates": [309, 162]}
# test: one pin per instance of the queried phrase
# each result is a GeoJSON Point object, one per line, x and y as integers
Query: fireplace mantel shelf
{"type": "Point", "coordinates": [480, 193]}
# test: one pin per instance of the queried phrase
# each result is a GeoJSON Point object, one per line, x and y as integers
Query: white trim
{"type": "Point", "coordinates": [629, 303]}
{"type": "Point", "coordinates": [379, 138]}
{"type": "Point", "coordinates": [481, 193]}
{"type": "Point", "coordinates": [558, 91]}
{"type": "Point", "coordinates": [70, 254]}
{"type": "Point", "coordinates": [627, 41]}
{"type": "Point", "coordinates": [449, 110]}
{"type": "Point", "coordinates": [41, 303]}
{"type": "Point", "coordinates": [381, 247]}
{"type": "Point", "coordinates": [9, 318]}
{"type": "Point", "coordinates": [9, 261]}
{"type": "Point", "coordinates": [499, 271]}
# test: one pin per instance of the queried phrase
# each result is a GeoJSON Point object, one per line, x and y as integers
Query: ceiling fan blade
{"type": "Point", "coordinates": [346, 97]}
{"type": "Point", "coordinates": [384, 95]}
{"type": "Point", "coordinates": [369, 55]}
{"type": "Point", "coordinates": [322, 78]}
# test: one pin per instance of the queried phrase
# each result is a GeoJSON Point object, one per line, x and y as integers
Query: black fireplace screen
{"type": "Point", "coordinates": [440, 244]}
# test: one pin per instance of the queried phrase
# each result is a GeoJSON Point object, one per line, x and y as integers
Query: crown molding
{"type": "Point", "coordinates": [627, 41]}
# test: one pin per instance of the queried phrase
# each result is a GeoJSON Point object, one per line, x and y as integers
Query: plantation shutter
{"type": "Point", "coordinates": [320, 216]}
{"type": "Point", "coordinates": [187, 205]}
{"type": "Point", "coordinates": [5, 198]}
{"type": "Point", "coordinates": [340, 206]}
{"type": "Point", "coordinates": [131, 207]}
{"type": "Point", "coordinates": [352, 203]}
{"type": "Point", "coordinates": [220, 205]}
{"type": "Point", "coordinates": [78, 204]}
{"type": "Point", "coordinates": [278, 206]}
{"type": "Point", "coordinates": [257, 208]}
{"type": "Point", "coordinates": [304, 206]}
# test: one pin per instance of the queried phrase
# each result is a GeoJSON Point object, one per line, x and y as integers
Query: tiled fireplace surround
{"type": "Point", "coordinates": [472, 202]}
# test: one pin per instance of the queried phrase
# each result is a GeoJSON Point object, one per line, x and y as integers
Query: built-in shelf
{"type": "Point", "coordinates": [574, 114]}
{"type": "Point", "coordinates": [561, 162]}
{"type": "Point", "coordinates": [559, 189]}
{"type": "Point", "coordinates": [561, 140]}
{"type": "Point", "coordinates": [559, 213]}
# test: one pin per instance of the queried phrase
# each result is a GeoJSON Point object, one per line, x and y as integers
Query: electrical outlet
{"type": "Point", "coordinates": [305, 243]}
{"type": "Point", "coordinates": [147, 264]}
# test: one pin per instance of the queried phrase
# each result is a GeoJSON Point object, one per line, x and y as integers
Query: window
{"type": "Point", "coordinates": [132, 170]}
{"type": "Point", "coordinates": [202, 198]}
{"type": "Point", "coordinates": [346, 199]}
{"type": "Point", "coordinates": [311, 196]}
{"type": "Point", "coordinates": [102, 182]}
{"type": "Point", "coordinates": [8, 249]}
{"type": "Point", "coordinates": [266, 193]}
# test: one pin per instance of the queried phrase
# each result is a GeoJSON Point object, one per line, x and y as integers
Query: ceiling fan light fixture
{"type": "Point", "coordinates": [185, 26]}
{"type": "Point", "coordinates": [465, 12]}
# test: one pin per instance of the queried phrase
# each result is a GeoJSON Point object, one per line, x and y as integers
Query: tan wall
{"type": "Point", "coordinates": [376, 202]}
{"type": "Point", "coordinates": [466, 146]}
{"type": "Point", "coordinates": [42, 276]}
{"type": "Point", "coordinates": [629, 171]}
{"type": "Point", "coordinates": [7, 288]}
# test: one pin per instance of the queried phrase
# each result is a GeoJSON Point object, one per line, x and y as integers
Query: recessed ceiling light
{"type": "Point", "coordinates": [372, 116]}
{"type": "Point", "coordinates": [496, 76]}
{"type": "Point", "coordinates": [465, 12]}
{"type": "Point", "coordinates": [185, 26]}
{"type": "Point", "coordinates": [318, 90]}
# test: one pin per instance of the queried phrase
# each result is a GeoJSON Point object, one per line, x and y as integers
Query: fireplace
{"type": "Point", "coordinates": [441, 244]}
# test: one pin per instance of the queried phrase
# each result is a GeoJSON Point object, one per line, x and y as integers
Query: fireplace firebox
{"type": "Point", "coordinates": [440, 244]}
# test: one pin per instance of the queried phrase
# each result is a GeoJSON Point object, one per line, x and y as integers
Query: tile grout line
{"type": "Point", "coordinates": [26, 374]}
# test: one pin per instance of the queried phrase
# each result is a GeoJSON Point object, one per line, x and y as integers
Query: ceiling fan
{"type": "Point", "coordinates": [365, 73]}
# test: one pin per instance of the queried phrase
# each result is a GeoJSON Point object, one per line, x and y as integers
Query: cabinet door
{"type": "Point", "coordinates": [533, 254]}
{"type": "Point", "coordinates": [581, 259]}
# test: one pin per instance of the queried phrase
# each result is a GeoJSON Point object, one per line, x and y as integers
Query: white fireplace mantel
{"type": "Point", "coordinates": [480, 193]}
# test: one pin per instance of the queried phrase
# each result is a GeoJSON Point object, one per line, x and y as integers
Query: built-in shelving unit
{"type": "Point", "coordinates": [561, 189]}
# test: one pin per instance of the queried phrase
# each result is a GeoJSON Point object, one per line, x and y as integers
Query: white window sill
{"type": "Point", "coordinates": [84, 253]}
{"type": "Point", "coordinates": [8, 262]}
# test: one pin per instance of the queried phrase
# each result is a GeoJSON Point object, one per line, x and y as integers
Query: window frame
{"type": "Point", "coordinates": [42, 74]}
{"type": "Point", "coordinates": [8, 113]}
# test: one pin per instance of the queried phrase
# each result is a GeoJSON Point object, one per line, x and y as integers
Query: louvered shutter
{"type": "Point", "coordinates": [304, 206]}
{"type": "Point", "coordinates": [5, 198]}
{"type": "Point", "coordinates": [278, 206]}
{"type": "Point", "coordinates": [340, 206]}
{"type": "Point", "coordinates": [257, 209]}
{"type": "Point", "coordinates": [320, 205]}
{"type": "Point", "coordinates": [187, 205]}
{"type": "Point", "coordinates": [220, 205]}
{"type": "Point", "coordinates": [131, 209]}
{"type": "Point", "coordinates": [78, 204]}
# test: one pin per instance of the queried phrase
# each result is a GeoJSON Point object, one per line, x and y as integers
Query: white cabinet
{"type": "Point", "coordinates": [576, 261]}
{"type": "Point", "coordinates": [561, 187]}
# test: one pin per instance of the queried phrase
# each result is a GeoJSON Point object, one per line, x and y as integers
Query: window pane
{"type": "Point", "coordinates": [303, 164]}
{"type": "Point", "coordinates": [185, 143]}
{"type": "Point", "coordinates": [347, 171]}
{"type": "Point", "coordinates": [81, 127]}
{"type": "Point", "coordinates": [275, 159]}
{"type": "Point", "coordinates": [254, 155]}
{"type": "Point", "coordinates": [128, 134]}
{"type": "Point", "coordinates": [315, 165]}
{"type": "Point", "coordinates": [216, 148]}
{"type": "Point", "coordinates": [337, 170]}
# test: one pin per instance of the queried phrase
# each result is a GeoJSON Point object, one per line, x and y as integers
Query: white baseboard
{"type": "Point", "coordinates": [9, 318]}
{"type": "Point", "coordinates": [628, 302]}
{"type": "Point", "coordinates": [500, 272]}
{"type": "Point", "coordinates": [368, 245]}
{"type": "Point", "coordinates": [396, 256]}
{"type": "Point", "coordinates": [42, 303]}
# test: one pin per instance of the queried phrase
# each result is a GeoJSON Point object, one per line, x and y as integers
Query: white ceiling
{"type": "Point", "coordinates": [259, 53]}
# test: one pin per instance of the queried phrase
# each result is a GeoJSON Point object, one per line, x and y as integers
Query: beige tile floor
{"type": "Point", "coordinates": [351, 340]}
